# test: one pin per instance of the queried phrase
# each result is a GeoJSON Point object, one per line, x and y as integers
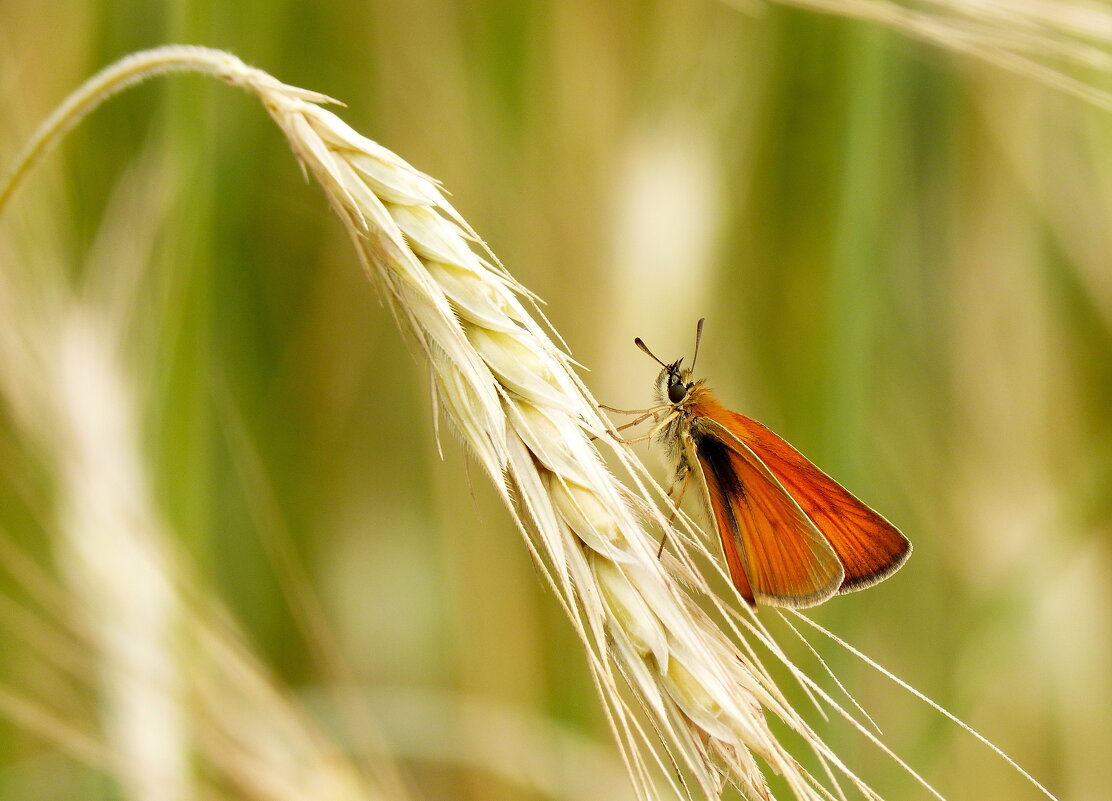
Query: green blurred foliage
{"type": "Point", "coordinates": [902, 254]}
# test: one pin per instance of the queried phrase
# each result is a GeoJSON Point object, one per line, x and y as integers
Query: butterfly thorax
{"type": "Point", "coordinates": [682, 396]}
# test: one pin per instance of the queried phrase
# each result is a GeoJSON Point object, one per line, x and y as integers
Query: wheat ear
{"type": "Point", "coordinates": [511, 395]}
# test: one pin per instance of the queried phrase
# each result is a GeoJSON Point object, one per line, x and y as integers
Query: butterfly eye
{"type": "Point", "coordinates": [676, 390]}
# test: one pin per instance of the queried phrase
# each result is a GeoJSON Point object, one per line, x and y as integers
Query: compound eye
{"type": "Point", "coordinates": [676, 391]}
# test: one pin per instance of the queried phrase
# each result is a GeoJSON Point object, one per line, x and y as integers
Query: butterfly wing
{"type": "Point", "coordinates": [774, 552]}
{"type": "Point", "coordinates": [869, 547]}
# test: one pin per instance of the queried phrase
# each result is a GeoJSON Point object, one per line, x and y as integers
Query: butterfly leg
{"type": "Point", "coordinates": [679, 498]}
{"type": "Point", "coordinates": [656, 408]}
{"type": "Point", "coordinates": [656, 430]}
{"type": "Point", "coordinates": [645, 414]}
{"type": "Point", "coordinates": [638, 421]}
{"type": "Point", "coordinates": [686, 479]}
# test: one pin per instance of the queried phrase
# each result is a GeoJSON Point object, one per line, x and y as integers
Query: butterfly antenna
{"type": "Point", "coordinates": [641, 344]}
{"type": "Point", "coordinates": [698, 339]}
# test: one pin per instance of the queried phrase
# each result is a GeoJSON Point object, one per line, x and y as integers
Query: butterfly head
{"type": "Point", "coordinates": [674, 385]}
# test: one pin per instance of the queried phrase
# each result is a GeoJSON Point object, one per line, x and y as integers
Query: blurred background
{"type": "Point", "coordinates": [900, 246]}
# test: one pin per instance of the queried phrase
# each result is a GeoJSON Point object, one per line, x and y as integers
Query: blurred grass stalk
{"type": "Point", "coordinates": [110, 553]}
{"type": "Point", "coordinates": [184, 708]}
{"type": "Point", "coordinates": [1045, 41]}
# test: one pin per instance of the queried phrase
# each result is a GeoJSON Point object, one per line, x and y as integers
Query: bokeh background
{"type": "Point", "coordinates": [902, 250]}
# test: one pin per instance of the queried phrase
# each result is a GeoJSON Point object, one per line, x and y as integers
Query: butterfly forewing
{"type": "Point", "coordinates": [868, 547]}
{"type": "Point", "coordinates": [774, 552]}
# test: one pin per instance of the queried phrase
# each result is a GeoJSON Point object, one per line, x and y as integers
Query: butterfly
{"type": "Point", "coordinates": [791, 535]}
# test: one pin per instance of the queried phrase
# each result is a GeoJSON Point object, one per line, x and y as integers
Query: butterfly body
{"type": "Point", "coordinates": [790, 534]}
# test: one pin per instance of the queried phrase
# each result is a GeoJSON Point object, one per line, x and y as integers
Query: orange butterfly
{"type": "Point", "coordinates": [791, 535]}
